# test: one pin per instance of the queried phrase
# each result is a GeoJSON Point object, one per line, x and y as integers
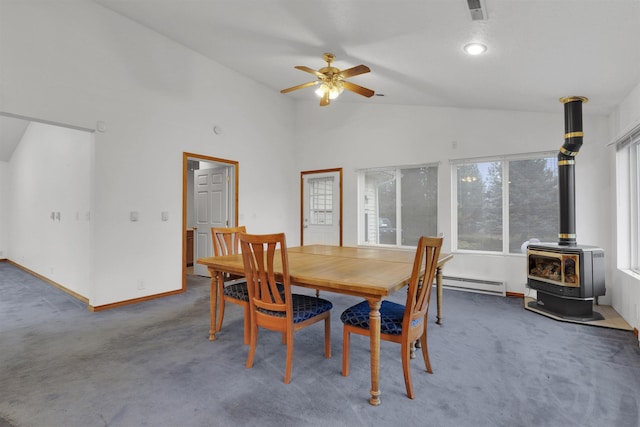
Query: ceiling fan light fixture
{"type": "Point", "coordinates": [321, 90]}
{"type": "Point", "coordinates": [331, 81]}
{"type": "Point", "coordinates": [475, 48]}
{"type": "Point", "coordinates": [334, 89]}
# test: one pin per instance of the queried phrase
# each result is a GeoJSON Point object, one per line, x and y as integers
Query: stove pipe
{"type": "Point", "coordinates": [566, 163]}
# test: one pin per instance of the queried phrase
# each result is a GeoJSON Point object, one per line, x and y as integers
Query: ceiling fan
{"type": "Point", "coordinates": [332, 81]}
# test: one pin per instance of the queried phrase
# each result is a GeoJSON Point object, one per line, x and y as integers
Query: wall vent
{"type": "Point", "coordinates": [477, 11]}
{"type": "Point", "coordinates": [474, 285]}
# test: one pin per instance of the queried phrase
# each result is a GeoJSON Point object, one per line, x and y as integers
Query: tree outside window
{"type": "Point", "coordinates": [500, 204]}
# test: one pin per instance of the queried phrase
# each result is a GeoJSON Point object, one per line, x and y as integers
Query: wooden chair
{"type": "Point", "coordinates": [272, 305]}
{"type": "Point", "coordinates": [234, 290]}
{"type": "Point", "coordinates": [402, 324]}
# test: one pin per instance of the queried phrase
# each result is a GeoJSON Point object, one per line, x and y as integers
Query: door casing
{"type": "Point", "coordinates": [308, 174]}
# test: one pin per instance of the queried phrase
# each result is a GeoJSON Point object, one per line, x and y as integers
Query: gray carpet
{"type": "Point", "coordinates": [150, 364]}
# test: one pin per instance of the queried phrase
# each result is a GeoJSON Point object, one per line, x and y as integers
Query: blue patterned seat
{"type": "Point", "coordinates": [237, 289]}
{"type": "Point", "coordinates": [304, 307]}
{"type": "Point", "coordinates": [391, 315]}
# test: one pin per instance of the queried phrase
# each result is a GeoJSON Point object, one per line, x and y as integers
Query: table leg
{"type": "Point", "coordinates": [213, 302]}
{"type": "Point", "coordinates": [374, 330]}
{"type": "Point", "coordinates": [439, 294]}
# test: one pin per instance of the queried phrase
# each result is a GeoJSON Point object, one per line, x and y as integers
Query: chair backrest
{"type": "Point", "coordinates": [424, 270]}
{"type": "Point", "coordinates": [225, 240]}
{"type": "Point", "coordinates": [265, 257]}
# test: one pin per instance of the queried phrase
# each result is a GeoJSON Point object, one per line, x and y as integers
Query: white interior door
{"type": "Point", "coordinates": [321, 208]}
{"type": "Point", "coordinates": [211, 198]}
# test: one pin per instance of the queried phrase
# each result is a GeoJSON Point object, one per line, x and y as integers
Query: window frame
{"type": "Point", "coordinates": [504, 161]}
{"type": "Point", "coordinates": [362, 203]}
{"type": "Point", "coordinates": [628, 206]}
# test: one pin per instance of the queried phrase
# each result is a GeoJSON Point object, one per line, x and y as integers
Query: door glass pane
{"type": "Point", "coordinates": [321, 201]}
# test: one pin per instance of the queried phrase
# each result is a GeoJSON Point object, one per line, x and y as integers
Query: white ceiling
{"type": "Point", "coordinates": [539, 50]}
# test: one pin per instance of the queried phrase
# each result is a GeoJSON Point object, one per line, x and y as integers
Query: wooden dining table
{"type": "Point", "coordinates": [370, 273]}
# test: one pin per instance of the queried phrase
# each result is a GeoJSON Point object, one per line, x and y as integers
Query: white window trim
{"type": "Point", "coordinates": [505, 197]}
{"type": "Point", "coordinates": [360, 173]}
{"type": "Point", "coordinates": [628, 206]}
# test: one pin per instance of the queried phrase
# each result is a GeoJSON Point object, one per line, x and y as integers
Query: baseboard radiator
{"type": "Point", "coordinates": [474, 285]}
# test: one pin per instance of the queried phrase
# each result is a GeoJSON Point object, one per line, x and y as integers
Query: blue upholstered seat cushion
{"type": "Point", "coordinates": [304, 307]}
{"type": "Point", "coordinates": [238, 290]}
{"type": "Point", "coordinates": [391, 315]}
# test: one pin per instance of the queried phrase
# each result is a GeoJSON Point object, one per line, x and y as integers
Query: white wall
{"type": "Point", "coordinates": [50, 173]}
{"type": "Point", "coordinates": [77, 63]}
{"type": "Point", "coordinates": [372, 135]}
{"type": "Point", "coordinates": [626, 285]}
{"type": "Point", "coordinates": [4, 209]}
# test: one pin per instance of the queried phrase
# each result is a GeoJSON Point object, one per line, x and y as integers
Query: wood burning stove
{"type": "Point", "coordinates": [567, 277]}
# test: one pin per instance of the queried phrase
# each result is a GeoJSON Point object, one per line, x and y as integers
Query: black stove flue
{"type": "Point", "coordinates": [573, 135]}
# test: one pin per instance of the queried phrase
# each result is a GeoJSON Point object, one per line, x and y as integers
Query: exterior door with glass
{"type": "Point", "coordinates": [321, 207]}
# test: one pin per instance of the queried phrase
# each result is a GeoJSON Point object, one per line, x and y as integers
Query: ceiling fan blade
{"type": "Point", "coordinates": [325, 99]}
{"type": "Point", "coordinates": [354, 71]}
{"type": "Point", "coordinates": [310, 70]}
{"type": "Point", "coordinates": [302, 86]}
{"type": "Point", "coordinates": [358, 89]}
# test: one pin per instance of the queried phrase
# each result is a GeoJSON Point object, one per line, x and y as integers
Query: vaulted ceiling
{"type": "Point", "coordinates": [538, 50]}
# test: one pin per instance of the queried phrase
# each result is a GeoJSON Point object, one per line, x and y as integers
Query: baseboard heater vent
{"type": "Point", "coordinates": [474, 285]}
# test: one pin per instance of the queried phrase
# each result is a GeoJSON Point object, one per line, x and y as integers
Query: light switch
{"type": "Point", "coordinates": [164, 216]}
{"type": "Point", "coordinates": [133, 216]}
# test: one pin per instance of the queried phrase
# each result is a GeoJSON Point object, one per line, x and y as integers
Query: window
{"type": "Point", "coordinates": [501, 203]}
{"type": "Point", "coordinates": [397, 205]}
{"type": "Point", "coordinates": [628, 183]}
{"type": "Point", "coordinates": [321, 201]}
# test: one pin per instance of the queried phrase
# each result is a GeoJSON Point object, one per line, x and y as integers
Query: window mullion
{"type": "Point", "coordinates": [398, 206]}
{"type": "Point", "coordinates": [505, 206]}
{"type": "Point", "coordinates": [634, 205]}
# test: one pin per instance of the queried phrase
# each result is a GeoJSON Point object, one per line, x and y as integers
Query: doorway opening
{"type": "Point", "coordinates": [209, 198]}
{"type": "Point", "coordinates": [46, 185]}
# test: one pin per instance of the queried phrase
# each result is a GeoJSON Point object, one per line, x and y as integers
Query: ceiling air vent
{"type": "Point", "coordinates": [477, 12]}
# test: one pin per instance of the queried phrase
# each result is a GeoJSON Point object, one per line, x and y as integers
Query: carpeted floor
{"type": "Point", "coordinates": [151, 364]}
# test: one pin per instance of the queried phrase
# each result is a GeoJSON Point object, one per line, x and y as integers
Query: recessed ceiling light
{"type": "Point", "coordinates": [475, 48]}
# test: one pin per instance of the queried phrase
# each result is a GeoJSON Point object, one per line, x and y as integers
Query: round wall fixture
{"type": "Point", "coordinates": [217, 130]}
